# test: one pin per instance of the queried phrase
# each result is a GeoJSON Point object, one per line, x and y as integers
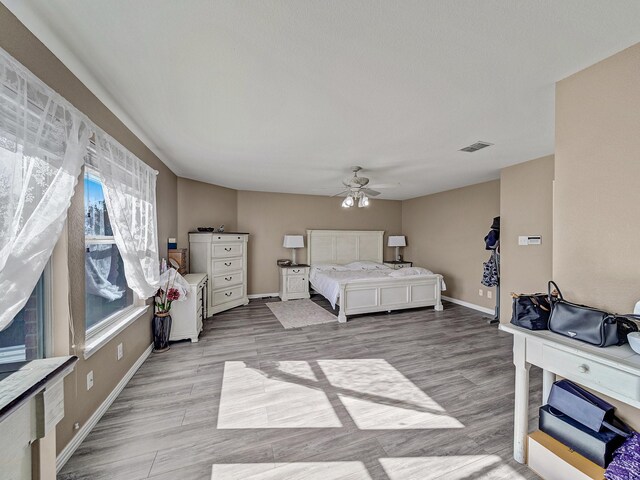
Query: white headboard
{"type": "Point", "coordinates": [344, 246]}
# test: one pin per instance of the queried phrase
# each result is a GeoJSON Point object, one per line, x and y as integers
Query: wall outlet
{"type": "Point", "coordinates": [480, 292]}
{"type": "Point", "coordinates": [489, 294]}
{"type": "Point", "coordinates": [90, 380]}
{"type": "Point", "coordinates": [120, 351]}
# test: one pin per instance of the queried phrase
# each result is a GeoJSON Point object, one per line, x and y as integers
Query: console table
{"type": "Point", "coordinates": [612, 371]}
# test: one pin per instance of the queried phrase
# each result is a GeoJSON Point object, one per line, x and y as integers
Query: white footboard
{"type": "Point", "coordinates": [366, 296]}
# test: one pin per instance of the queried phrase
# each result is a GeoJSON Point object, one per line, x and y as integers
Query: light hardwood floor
{"type": "Point", "coordinates": [417, 394]}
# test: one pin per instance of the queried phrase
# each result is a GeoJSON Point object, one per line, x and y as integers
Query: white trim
{"type": "Point", "coordinates": [75, 442]}
{"type": "Point", "coordinates": [100, 339]}
{"type": "Point", "coordinates": [488, 311]}
{"type": "Point", "coordinates": [262, 295]}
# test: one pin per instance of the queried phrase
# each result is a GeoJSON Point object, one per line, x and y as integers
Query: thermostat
{"type": "Point", "coordinates": [529, 240]}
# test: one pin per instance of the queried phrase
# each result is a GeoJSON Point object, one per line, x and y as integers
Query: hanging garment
{"type": "Point", "coordinates": [490, 277]}
{"type": "Point", "coordinates": [492, 239]}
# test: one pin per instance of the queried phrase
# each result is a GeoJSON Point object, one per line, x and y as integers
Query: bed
{"type": "Point", "coordinates": [372, 290]}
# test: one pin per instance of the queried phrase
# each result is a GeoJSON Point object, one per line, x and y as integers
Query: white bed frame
{"type": "Point", "coordinates": [366, 296]}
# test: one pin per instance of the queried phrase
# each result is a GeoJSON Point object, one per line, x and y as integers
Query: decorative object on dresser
{"type": "Point", "coordinates": [178, 259]}
{"type": "Point", "coordinates": [188, 316]}
{"type": "Point", "coordinates": [223, 257]}
{"type": "Point", "coordinates": [293, 242]}
{"type": "Point", "coordinates": [398, 264]}
{"type": "Point", "coordinates": [397, 241]}
{"type": "Point", "coordinates": [294, 282]}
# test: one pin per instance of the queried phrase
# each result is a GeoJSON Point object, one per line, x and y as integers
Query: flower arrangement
{"type": "Point", "coordinates": [166, 295]}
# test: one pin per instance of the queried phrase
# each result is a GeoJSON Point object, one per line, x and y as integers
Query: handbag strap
{"type": "Point", "coordinates": [623, 433]}
{"type": "Point", "coordinates": [550, 292]}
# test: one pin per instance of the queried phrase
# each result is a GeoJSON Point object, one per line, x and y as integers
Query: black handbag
{"type": "Point", "coordinates": [588, 324]}
{"type": "Point", "coordinates": [596, 446]}
{"type": "Point", "coordinates": [530, 311]}
{"type": "Point", "coordinates": [586, 408]}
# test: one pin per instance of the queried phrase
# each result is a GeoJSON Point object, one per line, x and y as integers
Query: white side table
{"type": "Point", "coordinates": [294, 282]}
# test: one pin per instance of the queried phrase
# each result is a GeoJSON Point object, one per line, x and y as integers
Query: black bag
{"type": "Point", "coordinates": [596, 446]}
{"type": "Point", "coordinates": [588, 324]}
{"type": "Point", "coordinates": [531, 311]}
{"type": "Point", "coordinates": [585, 407]}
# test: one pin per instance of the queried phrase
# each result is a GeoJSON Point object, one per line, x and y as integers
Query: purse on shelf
{"type": "Point", "coordinates": [588, 324]}
{"type": "Point", "coordinates": [585, 407]}
{"type": "Point", "coordinates": [530, 311]}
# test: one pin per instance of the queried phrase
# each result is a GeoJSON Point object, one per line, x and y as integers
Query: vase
{"type": "Point", "coordinates": [161, 326]}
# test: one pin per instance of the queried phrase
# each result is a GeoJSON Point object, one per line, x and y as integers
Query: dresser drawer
{"type": "Point", "coordinates": [227, 295]}
{"type": "Point", "coordinates": [223, 250]}
{"type": "Point", "coordinates": [227, 265]}
{"type": "Point", "coordinates": [590, 372]}
{"type": "Point", "coordinates": [227, 280]}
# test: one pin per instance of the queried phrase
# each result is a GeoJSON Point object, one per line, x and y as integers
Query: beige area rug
{"type": "Point", "coordinates": [300, 313]}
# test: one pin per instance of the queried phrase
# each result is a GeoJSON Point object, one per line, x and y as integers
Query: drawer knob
{"type": "Point", "coordinates": [295, 270]}
{"type": "Point", "coordinates": [228, 294]}
{"type": "Point", "coordinates": [228, 279]}
{"type": "Point", "coordinates": [227, 249]}
{"type": "Point", "coordinates": [583, 368]}
{"type": "Point", "coordinates": [228, 264]}
{"type": "Point", "coordinates": [400, 266]}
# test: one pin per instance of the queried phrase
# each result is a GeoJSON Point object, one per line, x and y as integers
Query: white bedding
{"type": "Point", "coordinates": [327, 282]}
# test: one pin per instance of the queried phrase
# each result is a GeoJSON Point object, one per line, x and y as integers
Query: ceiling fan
{"type": "Point", "coordinates": [358, 190]}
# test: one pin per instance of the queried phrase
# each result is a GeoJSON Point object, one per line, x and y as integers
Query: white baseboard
{"type": "Point", "coordinates": [262, 295]}
{"type": "Point", "coordinates": [75, 442]}
{"type": "Point", "coordinates": [488, 311]}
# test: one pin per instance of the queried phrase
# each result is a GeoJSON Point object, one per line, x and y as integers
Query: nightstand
{"type": "Point", "coordinates": [294, 282]}
{"type": "Point", "coordinates": [396, 265]}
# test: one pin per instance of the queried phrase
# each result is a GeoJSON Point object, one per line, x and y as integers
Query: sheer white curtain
{"type": "Point", "coordinates": [43, 140]}
{"type": "Point", "coordinates": [129, 187]}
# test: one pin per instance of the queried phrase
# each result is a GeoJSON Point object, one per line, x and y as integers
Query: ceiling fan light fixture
{"type": "Point", "coordinates": [363, 202]}
{"type": "Point", "coordinates": [347, 202]}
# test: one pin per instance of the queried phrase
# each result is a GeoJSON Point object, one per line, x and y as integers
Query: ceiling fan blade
{"type": "Point", "coordinates": [340, 194]}
{"type": "Point", "coordinates": [371, 193]}
{"type": "Point", "coordinates": [384, 185]}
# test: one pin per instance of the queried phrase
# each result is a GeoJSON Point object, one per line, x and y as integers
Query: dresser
{"type": "Point", "coordinates": [396, 265]}
{"type": "Point", "coordinates": [223, 257]}
{"type": "Point", "coordinates": [188, 316]}
{"type": "Point", "coordinates": [294, 282]}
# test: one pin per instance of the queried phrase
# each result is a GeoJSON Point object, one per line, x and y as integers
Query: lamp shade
{"type": "Point", "coordinates": [293, 241]}
{"type": "Point", "coordinates": [397, 241]}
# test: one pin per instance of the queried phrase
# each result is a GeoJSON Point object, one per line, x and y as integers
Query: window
{"type": "Point", "coordinates": [24, 338]}
{"type": "Point", "coordinates": [107, 295]}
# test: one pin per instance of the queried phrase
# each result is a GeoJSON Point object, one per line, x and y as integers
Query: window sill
{"type": "Point", "coordinates": [99, 340]}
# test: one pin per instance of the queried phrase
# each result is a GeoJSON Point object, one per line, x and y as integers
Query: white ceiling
{"type": "Point", "coordinates": [285, 96]}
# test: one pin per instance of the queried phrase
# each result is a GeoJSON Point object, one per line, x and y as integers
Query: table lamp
{"type": "Point", "coordinates": [397, 241]}
{"type": "Point", "coordinates": [293, 242]}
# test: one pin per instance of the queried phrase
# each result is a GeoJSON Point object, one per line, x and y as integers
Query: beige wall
{"type": "Point", "coordinates": [268, 216]}
{"type": "Point", "coordinates": [204, 205]}
{"type": "Point", "coordinates": [445, 233]}
{"type": "Point", "coordinates": [80, 404]}
{"type": "Point", "coordinates": [526, 208]}
{"type": "Point", "coordinates": [596, 258]}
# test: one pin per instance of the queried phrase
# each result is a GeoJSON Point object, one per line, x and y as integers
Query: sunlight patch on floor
{"type": "Point", "coordinates": [288, 471]}
{"type": "Point", "coordinates": [379, 397]}
{"type": "Point", "coordinates": [455, 467]}
{"type": "Point", "coordinates": [251, 398]}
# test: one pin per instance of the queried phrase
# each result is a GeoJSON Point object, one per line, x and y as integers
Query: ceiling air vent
{"type": "Point", "coordinates": [476, 146]}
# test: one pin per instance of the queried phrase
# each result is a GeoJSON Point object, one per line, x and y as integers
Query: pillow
{"type": "Point", "coordinates": [327, 267]}
{"type": "Point", "coordinates": [405, 272]}
{"type": "Point", "coordinates": [366, 265]}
